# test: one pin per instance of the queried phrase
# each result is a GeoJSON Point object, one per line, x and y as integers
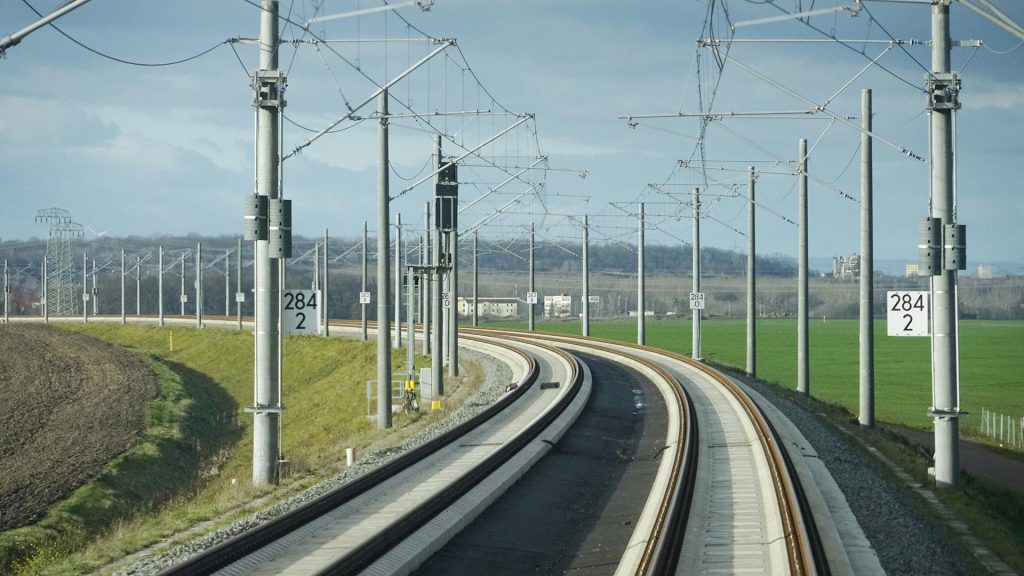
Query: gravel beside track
{"type": "Point", "coordinates": [497, 376]}
{"type": "Point", "coordinates": [908, 540]}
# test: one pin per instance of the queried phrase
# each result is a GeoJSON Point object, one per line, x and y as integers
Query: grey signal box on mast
{"type": "Point", "coordinates": [941, 247]}
{"type": "Point", "coordinates": [446, 197]}
{"type": "Point", "coordinates": [929, 247]}
{"type": "Point", "coordinates": [269, 219]}
{"type": "Point", "coordinates": [255, 218]}
{"type": "Point", "coordinates": [279, 221]}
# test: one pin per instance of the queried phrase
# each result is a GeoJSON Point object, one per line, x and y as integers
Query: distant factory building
{"type": "Point", "coordinates": [846, 267]}
{"type": "Point", "coordinates": [489, 307]}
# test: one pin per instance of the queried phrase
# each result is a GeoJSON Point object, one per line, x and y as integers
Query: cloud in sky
{"type": "Point", "coordinates": [171, 149]}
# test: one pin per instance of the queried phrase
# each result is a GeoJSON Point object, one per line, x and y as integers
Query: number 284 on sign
{"type": "Point", "coordinates": [907, 313]}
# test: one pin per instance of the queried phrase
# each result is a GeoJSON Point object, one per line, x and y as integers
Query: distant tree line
{"type": "Point", "coordinates": [1001, 298]}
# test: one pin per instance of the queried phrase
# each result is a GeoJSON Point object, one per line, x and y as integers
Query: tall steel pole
{"type": "Point", "coordinates": [437, 316]}
{"type": "Point", "coordinates": [751, 280]}
{"type": "Point", "coordinates": [124, 314]}
{"type": "Point", "coordinates": [437, 350]}
{"type": "Point", "coordinates": [45, 306]}
{"type": "Point", "coordinates": [533, 288]}
{"type": "Point", "coordinates": [427, 284]}
{"type": "Point", "coordinates": [803, 384]}
{"type": "Point", "coordinates": [945, 371]}
{"type": "Point", "coordinates": [95, 292]}
{"type": "Point", "coordinates": [267, 271]}
{"type": "Point", "coordinates": [398, 280]}
{"type": "Point", "coordinates": [362, 305]}
{"type": "Point", "coordinates": [323, 296]}
{"type": "Point", "coordinates": [476, 276]}
{"type": "Point", "coordinates": [383, 244]}
{"type": "Point", "coordinates": [453, 308]}
{"type": "Point", "coordinates": [695, 348]}
{"type": "Point", "coordinates": [238, 283]}
{"type": "Point", "coordinates": [410, 311]}
{"type": "Point", "coordinates": [181, 293]}
{"type": "Point", "coordinates": [227, 283]}
{"type": "Point", "coordinates": [199, 285]}
{"type": "Point", "coordinates": [867, 269]}
{"type": "Point", "coordinates": [586, 276]}
{"type": "Point", "coordinates": [138, 286]}
{"type": "Point", "coordinates": [641, 335]}
{"type": "Point", "coordinates": [7, 292]}
{"type": "Point", "coordinates": [160, 284]}
{"type": "Point", "coordinates": [85, 287]}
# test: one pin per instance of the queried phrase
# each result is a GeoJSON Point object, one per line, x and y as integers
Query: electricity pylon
{"type": "Point", "coordinates": [60, 300]}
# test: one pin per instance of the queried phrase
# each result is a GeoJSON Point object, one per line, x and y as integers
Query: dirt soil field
{"type": "Point", "coordinates": [68, 405]}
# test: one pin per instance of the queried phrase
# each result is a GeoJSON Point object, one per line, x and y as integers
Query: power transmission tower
{"type": "Point", "coordinates": [60, 298]}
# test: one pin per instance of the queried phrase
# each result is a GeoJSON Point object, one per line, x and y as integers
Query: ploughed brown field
{"type": "Point", "coordinates": [68, 405]}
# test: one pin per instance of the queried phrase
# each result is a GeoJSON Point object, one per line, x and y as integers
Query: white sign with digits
{"type": "Point", "coordinates": [299, 311]}
{"type": "Point", "coordinates": [907, 313]}
{"type": "Point", "coordinates": [696, 300]}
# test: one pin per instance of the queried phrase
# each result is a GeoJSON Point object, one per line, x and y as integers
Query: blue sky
{"type": "Point", "coordinates": [133, 150]}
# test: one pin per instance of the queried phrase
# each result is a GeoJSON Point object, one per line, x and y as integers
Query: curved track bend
{"type": "Point", "coordinates": [725, 499]}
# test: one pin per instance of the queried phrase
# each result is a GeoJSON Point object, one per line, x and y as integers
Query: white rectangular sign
{"type": "Point", "coordinates": [696, 300]}
{"type": "Point", "coordinates": [446, 300]}
{"type": "Point", "coordinates": [531, 297]}
{"type": "Point", "coordinates": [299, 311]}
{"type": "Point", "coordinates": [594, 299]}
{"type": "Point", "coordinates": [364, 297]}
{"type": "Point", "coordinates": [239, 296]}
{"type": "Point", "coordinates": [184, 298]}
{"type": "Point", "coordinates": [907, 313]}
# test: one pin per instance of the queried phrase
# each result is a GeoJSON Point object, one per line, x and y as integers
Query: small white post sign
{"type": "Point", "coordinates": [299, 311]}
{"type": "Point", "coordinates": [446, 300]}
{"type": "Point", "coordinates": [364, 297]}
{"type": "Point", "coordinates": [594, 299]}
{"type": "Point", "coordinates": [696, 300]}
{"type": "Point", "coordinates": [531, 297]}
{"type": "Point", "coordinates": [907, 313]}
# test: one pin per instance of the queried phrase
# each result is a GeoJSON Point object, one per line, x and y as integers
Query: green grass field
{"type": "Point", "coordinates": [991, 361]}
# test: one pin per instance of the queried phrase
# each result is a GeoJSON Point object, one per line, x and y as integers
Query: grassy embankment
{"type": "Point", "coordinates": [195, 463]}
{"type": "Point", "coordinates": [991, 361]}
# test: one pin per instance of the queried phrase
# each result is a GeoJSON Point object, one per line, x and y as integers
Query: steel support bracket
{"type": "Point", "coordinates": [263, 409]}
{"type": "Point", "coordinates": [269, 86]}
{"type": "Point", "coordinates": [934, 413]}
{"type": "Point", "coordinates": [943, 90]}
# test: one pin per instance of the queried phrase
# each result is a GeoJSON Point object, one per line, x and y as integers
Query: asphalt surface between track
{"type": "Point", "coordinates": [574, 511]}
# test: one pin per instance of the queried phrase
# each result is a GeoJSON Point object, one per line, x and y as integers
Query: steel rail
{"type": "Point", "coordinates": [806, 552]}
{"type": "Point", "coordinates": [664, 538]}
{"type": "Point", "coordinates": [362, 557]}
{"type": "Point", "coordinates": [243, 544]}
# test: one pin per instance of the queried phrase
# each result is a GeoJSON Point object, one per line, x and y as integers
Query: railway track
{"type": "Point", "coordinates": [725, 497]}
{"type": "Point", "coordinates": [746, 508]}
